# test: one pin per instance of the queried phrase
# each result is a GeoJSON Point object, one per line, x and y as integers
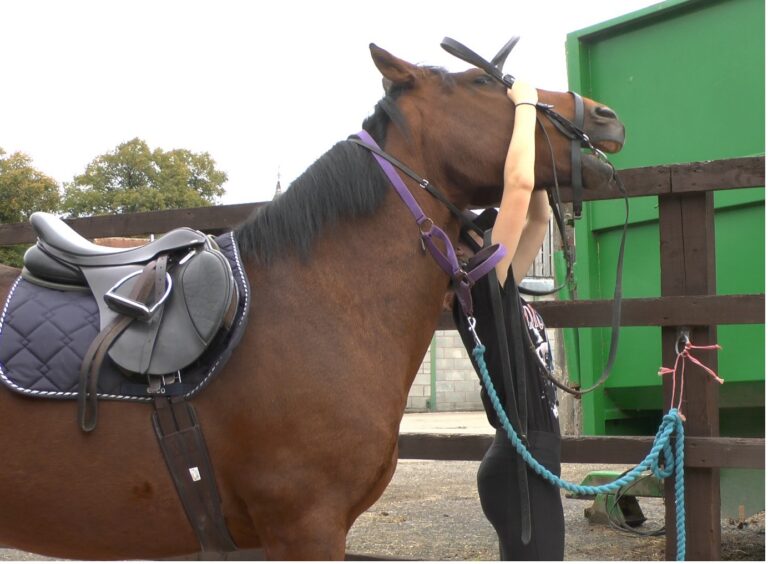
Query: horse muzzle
{"type": "Point", "coordinates": [607, 134]}
{"type": "Point", "coordinates": [605, 129]}
{"type": "Point", "coordinates": [595, 172]}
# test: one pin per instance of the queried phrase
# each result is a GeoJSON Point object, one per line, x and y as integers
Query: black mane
{"type": "Point", "coordinates": [343, 183]}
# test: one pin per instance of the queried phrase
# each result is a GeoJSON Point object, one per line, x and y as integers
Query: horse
{"type": "Point", "coordinates": [302, 423]}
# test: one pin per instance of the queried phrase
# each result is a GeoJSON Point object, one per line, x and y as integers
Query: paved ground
{"type": "Point", "coordinates": [455, 423]}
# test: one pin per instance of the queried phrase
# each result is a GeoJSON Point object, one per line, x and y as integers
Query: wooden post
{"type": "Point", "coordinates": [686, 228]}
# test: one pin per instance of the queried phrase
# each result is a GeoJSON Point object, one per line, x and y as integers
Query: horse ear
{"type": "Point", "coordinates": [394, 70]}
{"type": "Point", "coordinates": [501, 56]}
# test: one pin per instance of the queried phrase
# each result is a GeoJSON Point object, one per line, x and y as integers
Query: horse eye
{"type": "Point", "coordinates": [482, 80]}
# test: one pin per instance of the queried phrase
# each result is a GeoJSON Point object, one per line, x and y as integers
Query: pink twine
{"type": "Point", "coordinates": [684, 355]}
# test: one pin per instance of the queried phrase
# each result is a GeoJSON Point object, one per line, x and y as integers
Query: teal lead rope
{"type": "Point", "coordinates": [671, 423]}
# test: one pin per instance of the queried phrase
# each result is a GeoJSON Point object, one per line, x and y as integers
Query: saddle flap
{"type": "Point", "coordinates": [178, 333]}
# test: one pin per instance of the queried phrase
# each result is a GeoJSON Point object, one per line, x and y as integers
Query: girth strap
{"type": "Point", "coordinates": [185, 452]}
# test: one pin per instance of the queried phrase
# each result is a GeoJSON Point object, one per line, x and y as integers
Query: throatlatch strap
{"type": "Point", "coordinates": [181, 440]}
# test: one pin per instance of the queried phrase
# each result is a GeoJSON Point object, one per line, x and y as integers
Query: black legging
{"type": "Point", "coordinates": [500, 498]}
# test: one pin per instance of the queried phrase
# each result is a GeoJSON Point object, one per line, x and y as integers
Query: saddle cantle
{"type": "Point", "coordinates": [162, 304]}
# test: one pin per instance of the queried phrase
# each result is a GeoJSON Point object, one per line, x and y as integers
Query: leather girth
{"type": "Point", "coordinates": [183, 445]}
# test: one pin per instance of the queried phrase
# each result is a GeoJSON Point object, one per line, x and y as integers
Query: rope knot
{"type": "Point", "coordinates": [684, 355]}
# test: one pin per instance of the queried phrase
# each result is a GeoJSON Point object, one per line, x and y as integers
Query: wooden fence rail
{"type": "Point", "coordinates": [700, 452]}
{"type": "Point", "coordinates": [686, 228]}
{"type": "Point", "coordinates": [645, 181]}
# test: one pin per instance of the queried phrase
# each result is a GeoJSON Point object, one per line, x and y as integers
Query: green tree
{"type": "Point", "coordinates": [134, 178]}
{"type": "Point", "coordinates": [24, 189]}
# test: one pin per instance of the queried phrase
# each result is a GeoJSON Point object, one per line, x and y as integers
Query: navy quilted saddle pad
{"type": "Point", "coordinates": [45, 333]}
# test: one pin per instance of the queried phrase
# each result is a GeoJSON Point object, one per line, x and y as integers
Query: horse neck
{"type": "Point", "coordinates": [375, 271]}
{"type": "Point", "coordinates": [419, 282]}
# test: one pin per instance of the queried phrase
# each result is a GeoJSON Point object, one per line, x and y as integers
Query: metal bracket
{"type": "Point", "coordinates": [683, 338]}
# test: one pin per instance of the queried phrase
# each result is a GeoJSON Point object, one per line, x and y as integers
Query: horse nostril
{"type": "Point", "coordinates": [605, 112]}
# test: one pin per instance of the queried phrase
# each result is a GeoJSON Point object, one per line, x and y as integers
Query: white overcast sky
{"type": "Point", "coordinates": [260, 85]}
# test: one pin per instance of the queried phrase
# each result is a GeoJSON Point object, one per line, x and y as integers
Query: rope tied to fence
{"type": "Point", "coordinates": [684, 354]}
{"type": "Point", "coordinates": [673, 461]}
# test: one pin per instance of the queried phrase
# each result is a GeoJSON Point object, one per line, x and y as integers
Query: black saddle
{"type": "Point", "coordinates": [69, 250]}
{"type": "Point", "coordinates": [161, 303]}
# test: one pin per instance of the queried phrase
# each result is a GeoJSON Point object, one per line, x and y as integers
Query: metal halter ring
{"type": "Point", "coordinates": [429, 223]}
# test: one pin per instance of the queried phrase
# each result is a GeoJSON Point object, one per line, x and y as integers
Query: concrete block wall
{"type": "Point", "coordinates": [421, 389]}
{"type": "Point", "coordinates": [457, 387]}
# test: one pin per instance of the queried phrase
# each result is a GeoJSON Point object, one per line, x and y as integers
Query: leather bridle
{"type": "Point", "coordinates": [579, 140]}
{"type": "Point", "coordinates": [574, 130]}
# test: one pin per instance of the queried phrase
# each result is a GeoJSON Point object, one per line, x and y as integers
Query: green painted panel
{"type": "Point", "coordinates": [687, 79]}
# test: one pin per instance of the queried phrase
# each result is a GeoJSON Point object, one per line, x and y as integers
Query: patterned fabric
{"type": "Point", "coordinates": [45, 333]}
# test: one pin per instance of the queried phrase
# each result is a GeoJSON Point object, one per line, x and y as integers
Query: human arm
{"type": "Point", "coordinates": [534, 231]}
{"type": "Point", "coordinates": [518, 176]}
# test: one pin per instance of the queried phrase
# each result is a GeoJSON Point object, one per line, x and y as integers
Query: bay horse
{"type": "Point", "coordinates": [302, 423]}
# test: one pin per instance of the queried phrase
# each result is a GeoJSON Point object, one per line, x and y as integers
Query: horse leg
{"type": "Point", "coordinates": [316, 535]}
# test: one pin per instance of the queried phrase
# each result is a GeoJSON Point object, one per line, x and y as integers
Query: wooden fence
{"type": "Point", "coordinates": [686, 224]}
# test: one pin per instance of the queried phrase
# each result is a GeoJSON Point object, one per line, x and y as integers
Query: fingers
{"type": "Point", "coordinates": [522, 93]}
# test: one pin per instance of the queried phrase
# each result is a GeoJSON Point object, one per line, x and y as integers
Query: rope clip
{"type": "Point", "coordinates": [472, 322]}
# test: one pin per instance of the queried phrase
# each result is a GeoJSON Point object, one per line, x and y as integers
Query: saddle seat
{"type": "Point", "coordinates": [194, 291]}
{"type": "Point", "coordinates": [60, 240]}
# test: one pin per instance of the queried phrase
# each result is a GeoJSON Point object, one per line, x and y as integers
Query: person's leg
{"type": "Point", "coordinates": [500, 500]}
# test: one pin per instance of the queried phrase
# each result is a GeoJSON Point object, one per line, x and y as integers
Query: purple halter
{"type": "Point", "coordinates": [428, 231]}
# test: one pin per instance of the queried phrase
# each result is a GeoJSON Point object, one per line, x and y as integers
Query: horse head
{"type": "Point", "coordinates": [465, 122]}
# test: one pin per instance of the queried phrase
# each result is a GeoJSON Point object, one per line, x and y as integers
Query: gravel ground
{"type": "Point", "coordinates": [430, 511]}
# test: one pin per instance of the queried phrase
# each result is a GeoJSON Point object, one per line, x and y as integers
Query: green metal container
{"type": "Point", "coordinates": [687, 79]}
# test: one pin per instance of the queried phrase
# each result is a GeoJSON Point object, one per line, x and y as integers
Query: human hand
{"type": "Point", "coordinates": [522, 93]}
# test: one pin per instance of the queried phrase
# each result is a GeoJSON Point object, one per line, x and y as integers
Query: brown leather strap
{"type": "Point", "coordinates": [87, 399]}
{"type": "Point", "coordinates": [154, 322]}
{"type": "Point", "coordinates": [181, 440]}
